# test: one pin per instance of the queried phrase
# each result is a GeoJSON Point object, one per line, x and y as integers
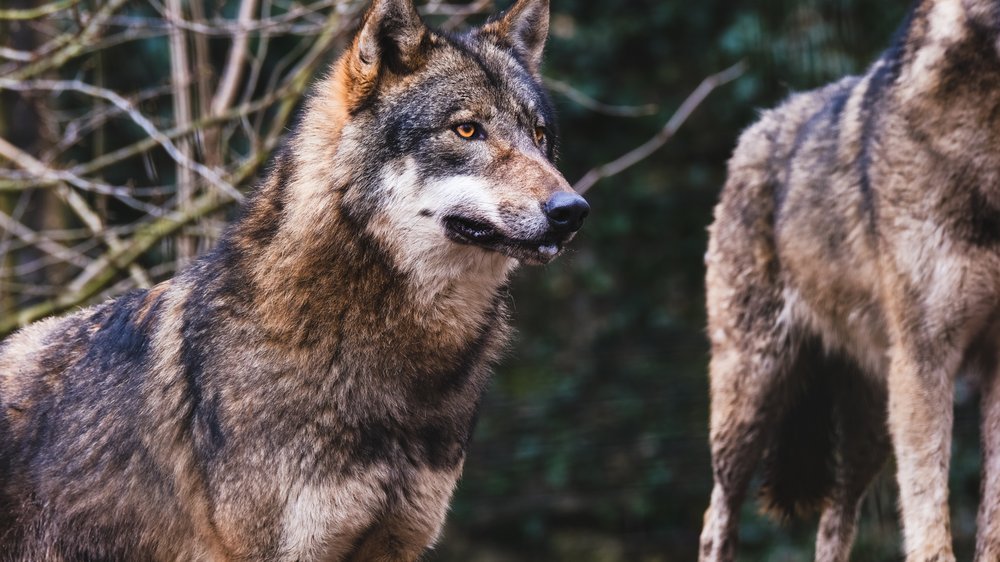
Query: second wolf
{"type": "Point", "coordinates": [853, 272]}
{"type": "Point", "coordinates": [307, 390]}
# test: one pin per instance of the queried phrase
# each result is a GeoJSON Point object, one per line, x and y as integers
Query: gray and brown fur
{"type": "Point", "coordinates": [307, 390]}
{"type": "Point", "coordinates": [853, 273]}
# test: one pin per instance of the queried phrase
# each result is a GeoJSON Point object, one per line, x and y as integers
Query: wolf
{"type": "Point", "coordinates": [853, 272]}
{"type": "Point", "coordinates": [307, 390]}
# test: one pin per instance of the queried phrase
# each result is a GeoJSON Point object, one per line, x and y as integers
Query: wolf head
{"type": "Point", "coordinates": [442, 145]}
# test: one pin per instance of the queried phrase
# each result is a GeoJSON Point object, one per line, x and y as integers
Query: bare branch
{"type": "Point", "coordinates": [180, 80]}
{"type": "Point", "coordinates": [108, 265]}
{"type": "Point", "coordinates": [135, 115]}
{"type": "Point", "coordinates": [96, 226]}
{"type": "Point", "coordinates": [226, 93]}
{"type": "Point", "coordinates": [73, 45]}
{"type": "Point", "coordinates": [676, 120]}
{"type": "Point", "coordinates": [51, 248]}
{"type": "Point", "coordinates": [460, 12]}
{"type": "Point", "coordinates": [597, 106]}
{"type": "Point", "coordinates": [14, 54]}
{"type": "Point", "coordinates": [284, 24]}
{"type": "Point", "coordinates": [35, 13]}
{"type": "Point", "coordinates": [99, 274]}
{"type": "Point", "coordinates": [75, 202]}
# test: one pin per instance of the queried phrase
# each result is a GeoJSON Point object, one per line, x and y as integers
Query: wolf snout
{"type": "Point", "coordinates": [565, 212]}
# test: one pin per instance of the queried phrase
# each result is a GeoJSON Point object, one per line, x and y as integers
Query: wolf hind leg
{"type": "Point", "coordinates": [745, 386]}
{"type": "Point", "coordinates": [863, 445]}
{"type": "Point", "coordinates": [988, 518]}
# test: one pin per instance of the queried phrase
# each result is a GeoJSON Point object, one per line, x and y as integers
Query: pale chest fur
{"type": "Point", "coordinates": [374, 512]}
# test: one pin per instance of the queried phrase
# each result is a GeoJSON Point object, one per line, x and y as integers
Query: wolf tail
{"type": "Point", "coordinates": [798, 463]}
{"type": "Point", "coordinates": [832, 434]}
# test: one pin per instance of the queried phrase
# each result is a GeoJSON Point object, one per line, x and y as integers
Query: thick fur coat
{"type": "Point", "coordinates": [307, 390]}
{"type": "Point", "coordinates": [853, 273]}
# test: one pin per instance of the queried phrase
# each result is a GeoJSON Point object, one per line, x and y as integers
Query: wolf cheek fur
{"type": "Point", "coordinates": [853, 271]}
{"type": "Point", "coordinates": [307, 390]}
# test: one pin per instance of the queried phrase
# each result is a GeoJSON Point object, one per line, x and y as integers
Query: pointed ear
{"type": "Point", "coordinates": [524, 28]}
{"type": "Point", "coordinates": [392, 35]}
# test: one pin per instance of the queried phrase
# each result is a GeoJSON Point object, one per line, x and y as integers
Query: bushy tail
{"type": "Point", "coordinates": [831, 433]}
{"type": "Point", "coordinates": [799, 462]}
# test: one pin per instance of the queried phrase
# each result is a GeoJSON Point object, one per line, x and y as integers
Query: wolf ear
{"type": "Point", "coordinates": [392, 35]}
{"type": "Point", "coordinates": [524, 28]}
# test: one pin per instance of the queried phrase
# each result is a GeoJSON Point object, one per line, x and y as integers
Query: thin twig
{"type": "Point", "coordinates": [33, 238]}
{"type": "Point", "coordinates": [282, 24]}
{"type": "Point", "coordinates": [180, 79]}
{"type": "Point", "coordinates": [460, 13]}
{"type": "Point", "coordinates": [597, 106]}
{"type": "Point", "coordinates": [73, 44]}
{"type": "Point", "coordinates": [35, 13]}
{"type": "Point", "coordinates": [135, 115]}
{"type": "Point", "coordinates": [233, 69]}
{"type": "Point", "coordinates": [652, 145]}
{"type": "Point", "coordinates": [108, 266]}
{"type": "Point", "coordinates": [75, 202]}
{"type": "Point", "coordinates": [14, 54]}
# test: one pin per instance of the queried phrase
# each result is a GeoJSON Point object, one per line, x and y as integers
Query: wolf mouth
{"type": "Point", "coordinates": [478, 233]}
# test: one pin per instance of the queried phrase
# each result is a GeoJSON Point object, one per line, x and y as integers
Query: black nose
{"type": "Point", "coordinates": [566, 212]}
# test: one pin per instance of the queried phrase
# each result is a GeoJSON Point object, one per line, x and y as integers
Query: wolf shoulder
{"type": "Point", "coordinates": [89, 351]}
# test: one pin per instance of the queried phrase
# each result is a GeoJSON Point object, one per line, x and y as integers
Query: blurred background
{"type": "Point", "coordinates": [129, 128]}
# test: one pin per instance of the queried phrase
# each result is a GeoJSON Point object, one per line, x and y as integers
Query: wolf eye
{"type": "Point", "coordinates": [539, 135]}
{"type": "Point", "coordinates": [469, 131]}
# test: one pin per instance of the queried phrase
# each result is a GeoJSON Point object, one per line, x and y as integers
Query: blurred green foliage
{"type": "Point", "coordinates": [593, 440]}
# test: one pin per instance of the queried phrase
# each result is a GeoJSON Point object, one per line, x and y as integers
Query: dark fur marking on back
{"type": "Point", "coordinates": [889, 67]}
{"type": "Point", "coordinates": [204, 417]}
{"type": "Point", "coordinates": [805, 134]}
{"type": "Point", "coordinates": [972, 67]}
{"type": "Point", "coordinates": [119, 337]}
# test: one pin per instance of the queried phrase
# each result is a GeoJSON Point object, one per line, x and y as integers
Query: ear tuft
{"type": "Point", "coordinates": [524, 28]}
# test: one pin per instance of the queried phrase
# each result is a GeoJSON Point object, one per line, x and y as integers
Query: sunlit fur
{"type": "Point", "coordinates": [307, 390]}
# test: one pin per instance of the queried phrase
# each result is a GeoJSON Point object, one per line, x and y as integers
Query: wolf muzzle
{"type": "Point", "coordinates": [565, 212]}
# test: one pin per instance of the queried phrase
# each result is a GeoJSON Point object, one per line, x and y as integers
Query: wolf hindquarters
{"type": "Point", "coordinates": [814, 421]}
{"type": "Point", "coordinates": [867, 215]}
{"type": "Point", "coordinates": [816, 426]}
{"type": "Point", "coordinates": [742, 375]}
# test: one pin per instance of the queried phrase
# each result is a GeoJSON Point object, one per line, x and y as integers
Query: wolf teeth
{"type": "Point", "coordinates": [548, 250]}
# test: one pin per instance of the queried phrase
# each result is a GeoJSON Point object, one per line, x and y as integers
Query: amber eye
{"type": "Point", "coordinates": [468, 131]}
{"type": "Point", "coordinates": [539, 135]}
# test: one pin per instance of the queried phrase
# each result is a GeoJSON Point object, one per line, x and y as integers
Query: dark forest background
{"type": "Point", "coordinates": [592, 445]}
